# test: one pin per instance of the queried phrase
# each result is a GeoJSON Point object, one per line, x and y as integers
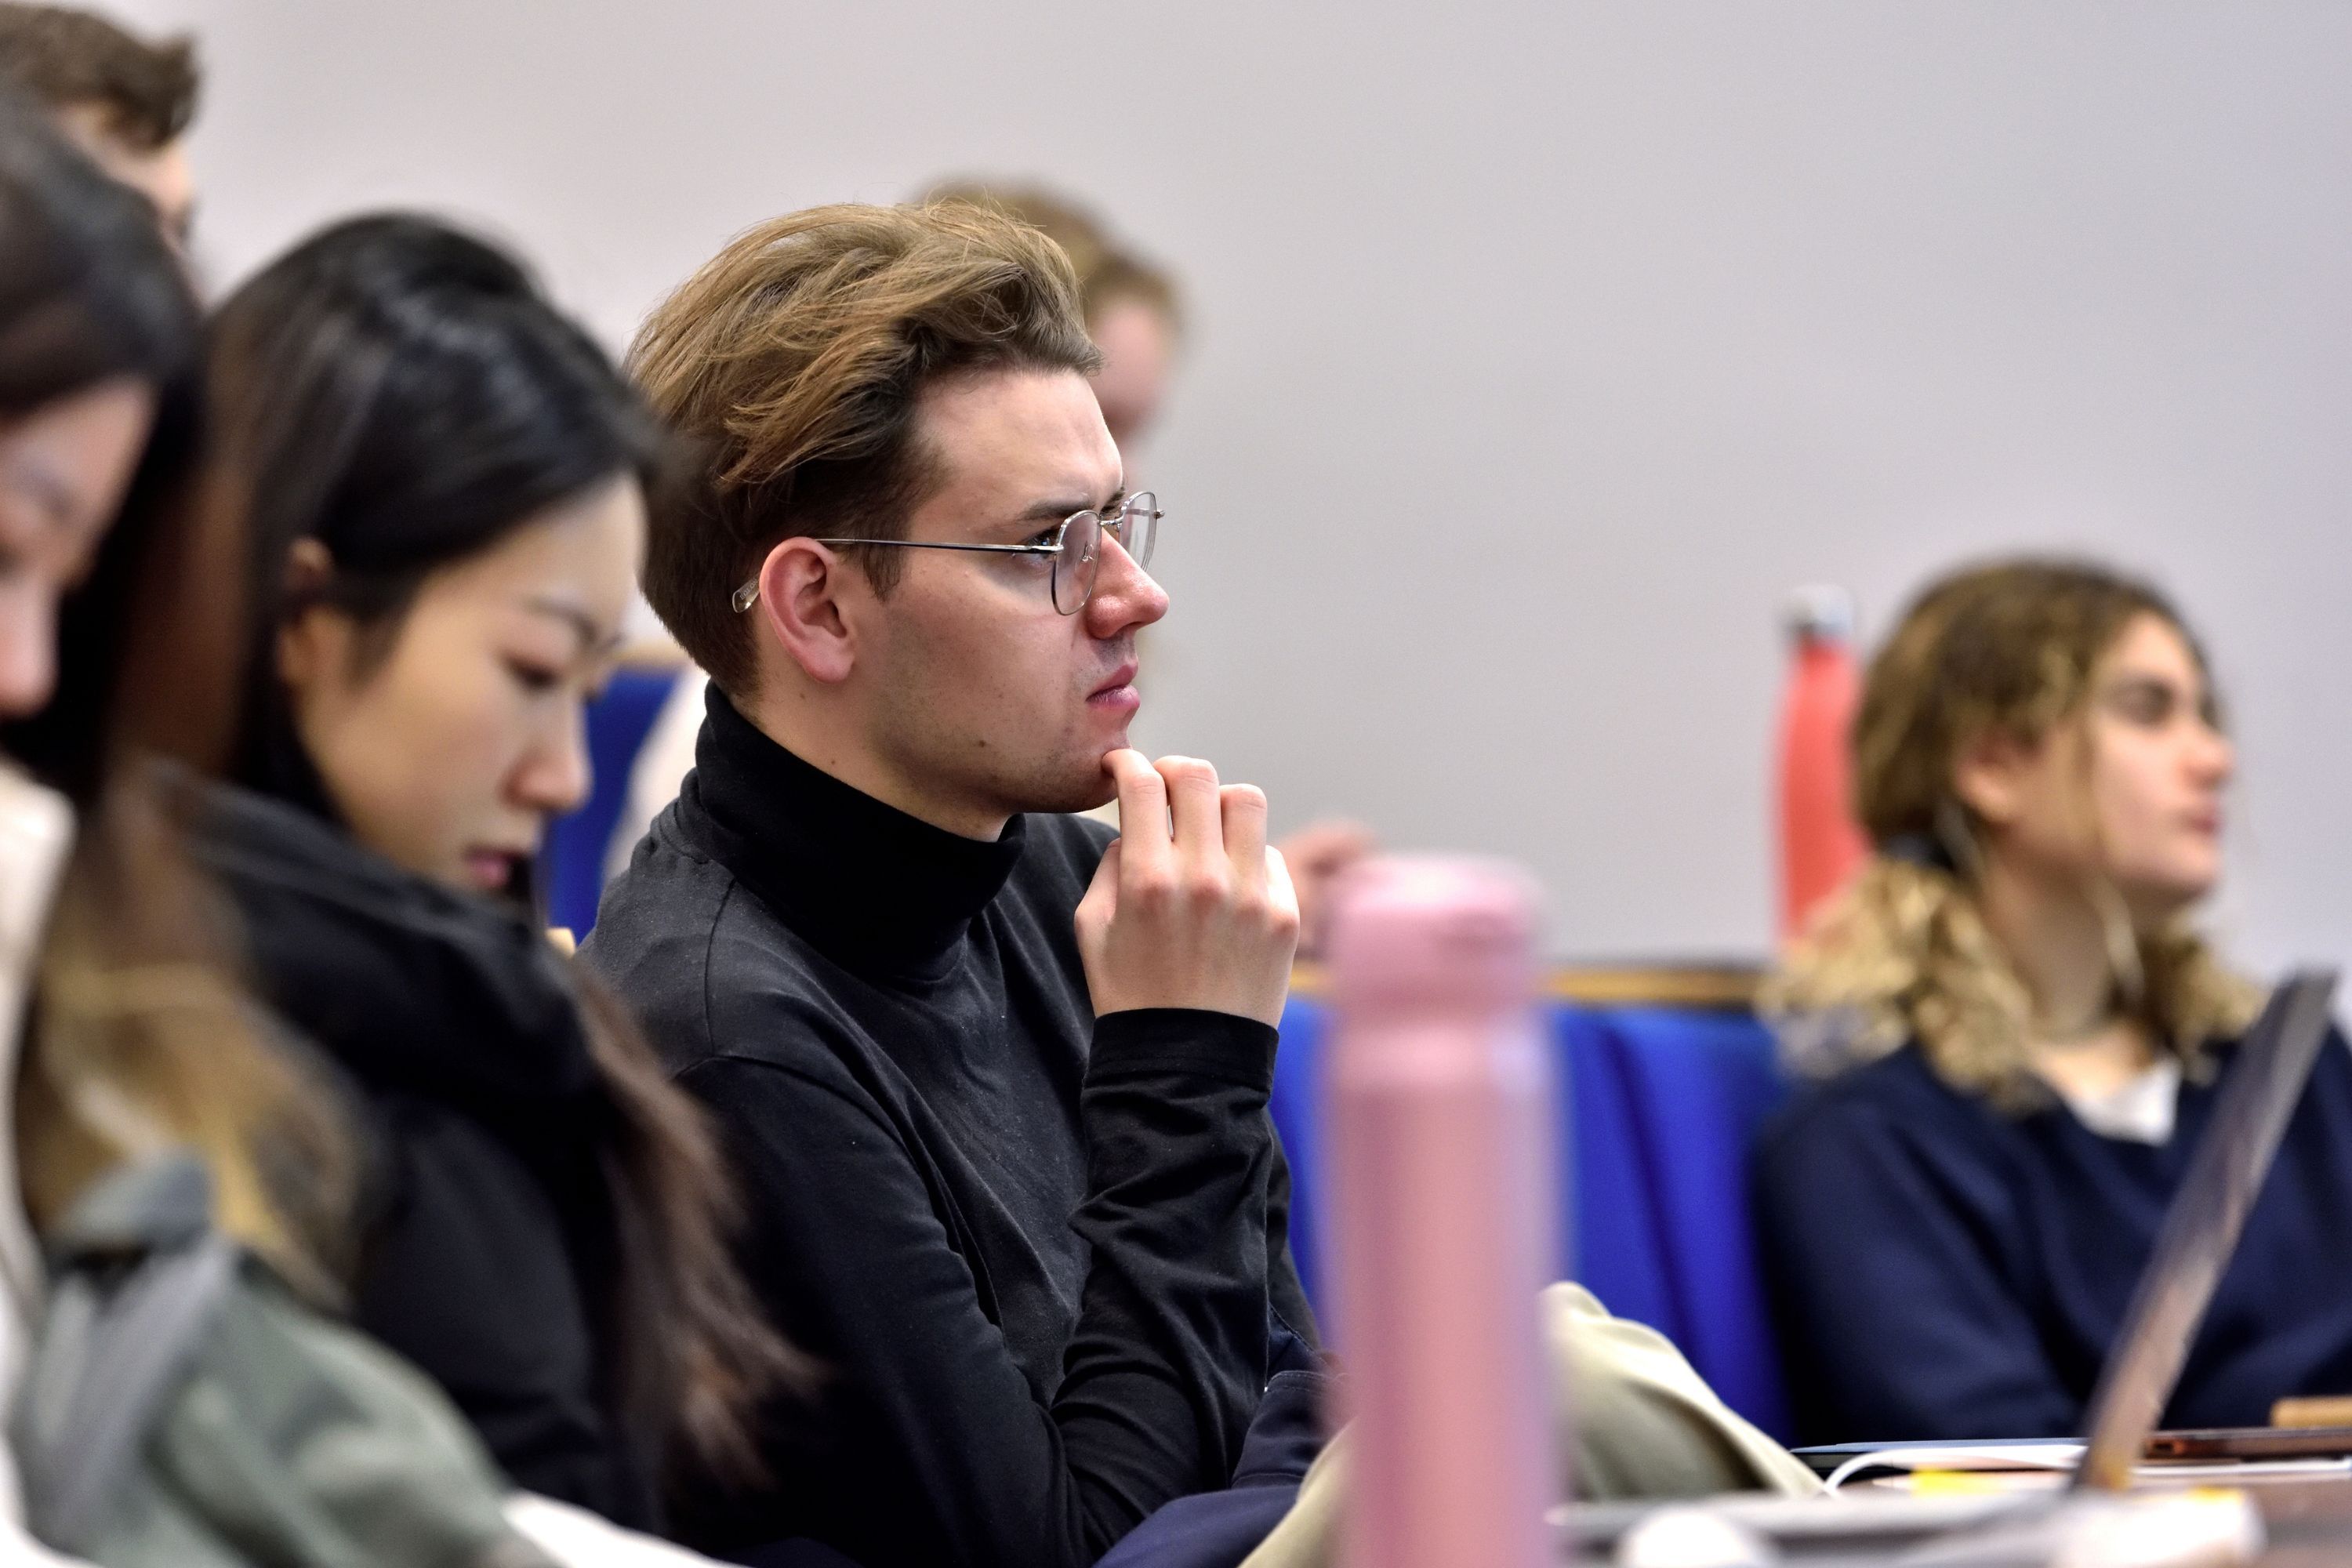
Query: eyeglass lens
{"type": "Point", "coordinates": [1075, 567]}
{"type": "Point", "coordinates": [1138, 527]}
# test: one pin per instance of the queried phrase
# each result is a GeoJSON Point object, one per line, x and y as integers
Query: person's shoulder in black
{"type": "Point", "coordinates": [484, 1247]}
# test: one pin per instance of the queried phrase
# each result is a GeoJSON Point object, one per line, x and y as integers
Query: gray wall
{"type": "Point", "coordinates": [1539, 349]}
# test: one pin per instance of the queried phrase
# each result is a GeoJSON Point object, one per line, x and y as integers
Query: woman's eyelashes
{"type": "Point", "coordinates": [536, 677]}
{"type": "Point", "coordinates": [540, 676]}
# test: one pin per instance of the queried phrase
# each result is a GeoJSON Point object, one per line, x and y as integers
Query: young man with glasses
{"type": "Point", "coordinates": [995, 1094]}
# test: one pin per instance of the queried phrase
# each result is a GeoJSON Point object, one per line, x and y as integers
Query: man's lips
{"type": "Point", "coordinates": [1118, 690]}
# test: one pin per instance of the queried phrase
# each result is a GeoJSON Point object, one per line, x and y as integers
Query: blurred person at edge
{"type": "Point", "coordinates": [447, 486]}
{"type": "Point", "coordinates": [1132, 311]}
{"type": "Point", "coordinates": [125, 102]}
{"type": "Point", "coordinates": [2021, 1039]}
{"type": "Point", "coordinates": [115, 641]}
{"type": "Point", "coordinates": [1136, 318]}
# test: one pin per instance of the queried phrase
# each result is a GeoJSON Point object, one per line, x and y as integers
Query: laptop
{"type": "Point", "coordinates": [2198, 1238]}
{"type": "Point", "coordinates": [2201, 1229]}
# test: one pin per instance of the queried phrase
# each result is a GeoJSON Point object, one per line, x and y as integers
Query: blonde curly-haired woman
{"type": "Point", "coordinates": [2019, 1037]}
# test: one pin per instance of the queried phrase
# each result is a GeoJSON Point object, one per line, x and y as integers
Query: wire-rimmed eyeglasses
{"type": "Point", "coordinates": [1075, 548]}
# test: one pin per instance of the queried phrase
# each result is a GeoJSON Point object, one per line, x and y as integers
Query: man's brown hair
{"type": "Point", "coordinates": [147, 92]}
{"type": "Point", "coordinates": [792, 360]}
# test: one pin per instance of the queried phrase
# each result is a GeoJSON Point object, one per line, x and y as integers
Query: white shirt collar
{"type": "Point", "coordinates": [2141, 1110]}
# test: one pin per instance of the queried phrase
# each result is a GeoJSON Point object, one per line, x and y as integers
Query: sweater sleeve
{"type": "Point", "coordinates": [936, 1446]}
{"type": "Point", "coordinates": [1898, 1317]}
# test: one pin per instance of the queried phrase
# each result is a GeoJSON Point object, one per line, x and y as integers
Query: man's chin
{"type": "Point", "coordinates": [1081, 795]}
{"type": "Point", "coordinates": [1077, 788]}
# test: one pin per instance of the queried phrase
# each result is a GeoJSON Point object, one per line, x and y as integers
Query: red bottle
{"type": "Point", "coordinates": [1820, 843]}
{"type": "Point", "coordinates": [1439, 1098]}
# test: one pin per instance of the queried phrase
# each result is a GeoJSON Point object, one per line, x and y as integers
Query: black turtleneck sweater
{"type": "Point", "coordinates": [1042, 1253]}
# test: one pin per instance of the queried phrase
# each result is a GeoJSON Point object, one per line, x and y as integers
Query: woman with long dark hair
{"type": "Point", "coordinates": [445, 484]}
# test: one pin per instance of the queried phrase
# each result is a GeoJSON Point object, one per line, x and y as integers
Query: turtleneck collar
{"type": "Point", "coordinates": [879, 893]}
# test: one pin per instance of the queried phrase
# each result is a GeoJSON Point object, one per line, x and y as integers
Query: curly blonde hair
{"type": "Point", "coordinates": [1904, 953]}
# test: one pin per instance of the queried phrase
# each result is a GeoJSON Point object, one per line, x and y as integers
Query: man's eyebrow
{"type": "Point", "coordinates": [1056, 509]}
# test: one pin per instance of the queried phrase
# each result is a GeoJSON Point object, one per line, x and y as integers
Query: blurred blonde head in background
{"type": "Point", "coordinates": [1132, 309]}
{"type": "Point", "coordinates": [2051, 718]}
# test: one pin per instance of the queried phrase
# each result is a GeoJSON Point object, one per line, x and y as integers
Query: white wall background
{"type": "Point", "coordinates": [1539, 348]}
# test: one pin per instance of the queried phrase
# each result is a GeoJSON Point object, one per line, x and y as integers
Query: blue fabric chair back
{"type": "Point", "coordinates": [1658, 1107]}
{"type": "Point", "coordinates": [573, 862]}
{"type": "Point", "coordinates": [1614, 1218]}
{"type": "Point", "coordinates": [1699, 1084]}
{"type": "Point", "coordinates": [1297, 1098]}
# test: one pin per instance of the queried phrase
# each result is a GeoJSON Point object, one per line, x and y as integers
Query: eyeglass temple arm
{"type": "Point", "coordinates": [944, 544]}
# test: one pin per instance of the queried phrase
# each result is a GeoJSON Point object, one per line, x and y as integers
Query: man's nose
{"type": "Point", "coordinates": [1125, 596]}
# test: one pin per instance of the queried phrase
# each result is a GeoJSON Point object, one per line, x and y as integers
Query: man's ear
{"type": "Point", "coordinates": [802, 584]}
{"type": "Point", "coordinates": [1990, 776]}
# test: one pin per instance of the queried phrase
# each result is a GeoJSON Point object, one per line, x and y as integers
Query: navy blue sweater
{"type": "Point", "coordinates": [1941, 1270]}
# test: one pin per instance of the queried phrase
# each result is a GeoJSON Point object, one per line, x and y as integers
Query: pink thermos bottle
{"type": "Point", "coordinates": [1821, 846]}
{"type": "Point", "coordinates": [1440, 1106]}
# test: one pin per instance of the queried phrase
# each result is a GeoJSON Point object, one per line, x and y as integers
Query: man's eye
{"type": "Point", "coordinates": [1047, 538]}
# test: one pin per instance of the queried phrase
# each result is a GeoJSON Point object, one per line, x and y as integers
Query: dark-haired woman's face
{"type": "Point", "coordinates": [63, 470]}
{"type": "Point", "coordinates": [449, 753]}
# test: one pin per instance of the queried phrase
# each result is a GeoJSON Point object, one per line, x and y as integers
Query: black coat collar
{"type": "Point", "coordinates": [879, 893]}
{"type": "Point", "coordinates": [410, 986]}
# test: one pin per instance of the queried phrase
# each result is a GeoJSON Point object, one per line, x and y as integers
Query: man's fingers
{"type": "Point", "coordinates": [1142, 809]}
{"type": "Point", "coordinates": [1243, 809]}
{"type": "Point", "coordinates": [1095, 911]}
{"type": "Point", "coordinates": [1193, 803]}
{"type": "Point", "coordinates": [1281, 896]}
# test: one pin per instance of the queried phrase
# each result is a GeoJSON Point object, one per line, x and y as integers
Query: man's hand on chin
{"type": "Point", "coordinates": [1190, 907]}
